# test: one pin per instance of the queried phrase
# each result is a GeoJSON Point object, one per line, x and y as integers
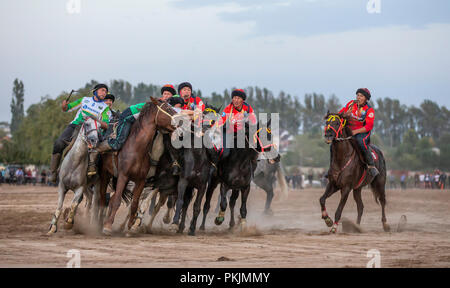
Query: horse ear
{"type": "Point", "coordinates": [269, 122]}
{"type": "Point", "coordinates": [326, 116]}
{"type": "Point", "coordinates": [154, 101]}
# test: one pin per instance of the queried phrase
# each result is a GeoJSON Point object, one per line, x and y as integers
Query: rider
{"type": "Point", "coordinates": [235, 113]}
{"type": "Point", "coordinates": [362, 120]}
{"type": "Point", "coordinates": [87, 107]}
{"type": "Point", "coordinates": [191, 102]}
{"type": "Point", "coordinates": [167, 91]}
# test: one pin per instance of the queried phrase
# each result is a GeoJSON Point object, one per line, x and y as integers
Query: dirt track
{"type": "Point", "coordinates": [295, 236]}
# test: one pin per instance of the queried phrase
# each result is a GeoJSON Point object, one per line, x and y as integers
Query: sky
{"type": "Point", "coordinates": [303, 46]}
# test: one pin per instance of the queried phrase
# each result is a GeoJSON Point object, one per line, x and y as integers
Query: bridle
{"type": "Point", "coordinates": [342, 123]}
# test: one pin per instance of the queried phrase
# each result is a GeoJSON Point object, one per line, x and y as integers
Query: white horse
{"type": "Point", "coordinates": [73, 173]}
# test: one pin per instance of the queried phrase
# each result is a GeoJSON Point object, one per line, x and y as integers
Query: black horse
{"type": "Point", "coordinates": [198, 165]}
{"type": "Point", "coordinates": [235, 172]}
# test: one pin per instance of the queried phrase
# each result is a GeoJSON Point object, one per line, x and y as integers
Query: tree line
{"type": "Point", "coordinates": [416, 137]}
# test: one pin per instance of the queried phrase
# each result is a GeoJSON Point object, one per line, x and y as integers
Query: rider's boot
{"type": "Point", "coordinates": [373, 171]}
{"type": "Point", "coordinates": [92, 167]}
{"type": "Point", "coordinates": [54, 164]}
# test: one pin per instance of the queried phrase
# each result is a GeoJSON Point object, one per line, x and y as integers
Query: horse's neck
{"type": "Point", "coordinates": [79, 149]}
{"type": "Point", "coordinates": [342, 151]}
{"type": "Point", "coordinates": [146, 132]}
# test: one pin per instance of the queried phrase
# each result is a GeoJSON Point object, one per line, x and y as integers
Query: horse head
{"type": "Point", "coordinates": [335, 126]}
{"type": "Point", "coordinates": [164, 116]}
{"type": "Point", "coordinates": [91, 132]}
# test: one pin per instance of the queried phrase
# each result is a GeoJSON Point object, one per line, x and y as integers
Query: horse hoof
{"type": "Point", "coordinates": [191, 233]}
{"type": "Point", "coordinates": [386, 227]}
{"type": "Point", "coordinates": [52, 230]}
{"type": "Point", "coordinates": [328, 221]}
{"type": "Point", "coordinates": [68, 225]}
{"type": "Point", "coordinates": [107, 231]}
{"type": "Point", "coordinates": [202, 228]}
{"type": "Point", "coordinates": [166, 220]}
{"type": "Point", "coordinates": [268, 212]}
{"type": "Point", "coordinates": [136, 225]}
{"type": "Point", "coordinates": [129, 234]}
{"type": "Point", "coordinates": [333, 230]}
{"type": "Point", "coordinates": [173, 227]}
{"type": "Point", "coordinates": [219, 220]}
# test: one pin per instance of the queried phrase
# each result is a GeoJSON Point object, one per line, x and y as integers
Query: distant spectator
{"type": "Point", "coordinates": [310, 176]}
{"type": "Point", "coordinates": [437, 175]}
{"type": "Point", "coordinates": [33, 176]}
{"type": "Point", "coordinates": [403, 181]}
{"type": "Point", "coordinates": [416, 181]}
{"type": "Point", "coordinates": [442, 179]}
{"type": "Point", "coordinates": [7, 175]}
{"type": "Point", "coordinates": [427, 181]}
{"type": "Point", "coordinates": [392, 183]}
{"type": "Point", "coordinates": [19, 176]}
{"type": "Point", "coordinates": [43, 177]}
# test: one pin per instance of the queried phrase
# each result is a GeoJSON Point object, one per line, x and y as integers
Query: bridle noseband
{"type": "Point", "coordinates": [342, 123]}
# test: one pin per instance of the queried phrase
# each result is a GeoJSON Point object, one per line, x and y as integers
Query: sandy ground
{"type": "Point", "coordinates": [295, 236]}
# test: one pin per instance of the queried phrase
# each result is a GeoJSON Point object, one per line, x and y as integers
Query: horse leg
{"type": "Point", "coordinates": [269, 192]}
{"type": "Point", "coordinates": [359, 204]}
{"type": "Point", "coordinates": [188, 195]}
{"type": "Point", "coordinates": [124, 223]}
{"type": "Point", "coordinates": [151, 209]}
{"type": "Point", "coordinates": [134, 206]}
{"type": "Point", "coordinates": [73, 208]}
{"type": "Point", "coordinates": [95, 204]}
{"type": "Point", "coordinates": [198, 202]}
{"type": "Point", "coordinates": [170, 204]}
{"type": "Point", "coordinates": [114, 203]}
{"type": "Point", "coordinates": [102, 193]}
{"type": "Point", "coordinates": [244, 196]}
{"type": "Point", "coordinates": [330, 190]}
{"type": "Point", "coordinates": [233, 198]}
{"type": "Point", "coordinates": [145, 203]}
{"type": "Point", "coordinates": [161, 202]}
{"type": "Point", "coordinates": [344, 196]}
{"type": "Point", "coordinates": [379, 188]}
{"type": "Point", "coordinates": [54, 223]}
{"type": "Point", "coordinates": [209, 192]}
{"type": "Point", "coordinates": [223, 204]}
{"type": "Point", "coordinates": [182, 184]}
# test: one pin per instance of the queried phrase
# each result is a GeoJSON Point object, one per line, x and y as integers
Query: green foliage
{"type": "Point", "coordinates": [17, 105]}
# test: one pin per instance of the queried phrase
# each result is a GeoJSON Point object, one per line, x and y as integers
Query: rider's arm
{"type": "Point", "coordinates": [105, 118]}
{"type": "Point", "coordinates": [69, 107]}
{"type": "Point", "coordinates": [370, 118]}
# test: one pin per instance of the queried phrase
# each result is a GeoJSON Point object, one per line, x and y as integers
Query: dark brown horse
{"type": "Point", "coordinates": [349, 172]}
{"type": "Point", "coordinates": [134, 160]}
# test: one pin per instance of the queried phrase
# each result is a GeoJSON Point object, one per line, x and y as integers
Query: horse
{"type": "Point", "coordinates": [134, 160]}
{"type": "Point", "coordinates": [72, 173]}
{"type": "Point", "coordinates": [197, 168]}
{"type": "Point", "coordinates": [349, 172]}
{"type": "Point", "coordinates": [267, 171]}
{"type": "Point", "coordinates": [235, 172]}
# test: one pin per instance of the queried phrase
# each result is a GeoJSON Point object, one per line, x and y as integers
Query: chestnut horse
{"type": "Point", "coordinates": [349, 172]}
{"type": "Point", "coordinates": [133, 161]}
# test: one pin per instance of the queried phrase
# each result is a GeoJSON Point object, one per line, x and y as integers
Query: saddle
{"type": "Point", "coordinates": [373, 150]}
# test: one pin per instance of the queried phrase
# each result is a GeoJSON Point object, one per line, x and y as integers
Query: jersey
{"type": "Point", "coordinates": [194, 103]}
{"type": "Point", "coordinates": [235, 117]}
{"type": "Point", "coordinates": [361, 117]}
{"type": "Point", "coordinates": [88, 106]}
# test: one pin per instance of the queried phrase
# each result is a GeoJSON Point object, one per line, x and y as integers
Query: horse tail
{"type": "Point", "coordinates": [282, 181]}
{"type": "Point", "coordinates": [378, 185]}
{"type": "Point", "coordinates": [127, 194]}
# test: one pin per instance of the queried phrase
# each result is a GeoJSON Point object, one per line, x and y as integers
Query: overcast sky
{"type": "Point", "coordinates": [304, 46]}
